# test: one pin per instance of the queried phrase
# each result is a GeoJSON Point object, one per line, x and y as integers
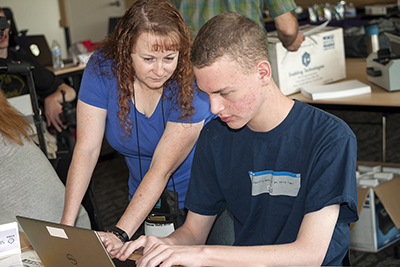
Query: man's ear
{"type": "Point", "coordinates": [264, 72]}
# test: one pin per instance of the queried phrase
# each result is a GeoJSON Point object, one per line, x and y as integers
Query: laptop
{"type": "Point", "coordinates": [65, 246]}
{"type": "Point", "coordinates": [37, 47]}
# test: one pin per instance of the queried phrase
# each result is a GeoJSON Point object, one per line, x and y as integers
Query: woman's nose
{"type": "Point", "coordinates": [159, 69]}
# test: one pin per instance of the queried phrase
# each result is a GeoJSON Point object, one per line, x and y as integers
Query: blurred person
{"type": "Point", "coordinates": [198, 12]}
{"type": "Point", "coordinates": [29, 186]}
{"type": "Point", "coordinates": [48, 87]}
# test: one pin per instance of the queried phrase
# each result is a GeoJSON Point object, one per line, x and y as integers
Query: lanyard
{"type": "Point", "coordinates": [137, 135]}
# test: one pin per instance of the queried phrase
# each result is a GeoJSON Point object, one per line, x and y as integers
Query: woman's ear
{"type": "Point", "coordinates": [264, 72]}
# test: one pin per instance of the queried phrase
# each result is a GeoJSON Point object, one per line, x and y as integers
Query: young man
{"type": "Point", "coordinates": [285, 170]}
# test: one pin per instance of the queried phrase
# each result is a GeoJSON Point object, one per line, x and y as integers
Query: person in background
{"type": "Point", "coordinates": [198, 12]}
{"type": "Point", "coordinates": [139, 90]}
{"type": "Point", "coordinates": [29, 186]}
{"type": "Point", "coordinates": [48, 87]}
{"type": "Point", "coordinates": [285, 169]}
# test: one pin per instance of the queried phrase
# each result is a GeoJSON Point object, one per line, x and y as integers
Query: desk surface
{"type": "Point", "coordinates": [67, 70]}
{"type": "Point", "coordinates": [356, 69]}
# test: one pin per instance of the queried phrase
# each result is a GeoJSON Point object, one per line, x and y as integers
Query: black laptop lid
{"type": "Point", "coordinates": [37, 47]}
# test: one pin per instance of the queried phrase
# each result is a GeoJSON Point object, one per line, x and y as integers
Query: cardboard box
{"type": "Point", "coordinates": [380, 9]}
{"type": "Point", "coordinates": [319, 60]}
{"type": "Point", "coordinates": [379, 211]}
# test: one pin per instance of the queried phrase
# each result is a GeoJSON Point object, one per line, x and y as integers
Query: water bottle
{"type": "Point", "coordinates": [56, 54]}
{"type": "Point", "coordinates": [350, 11]}
{"type": "Point", "coordinates": [372, 32]}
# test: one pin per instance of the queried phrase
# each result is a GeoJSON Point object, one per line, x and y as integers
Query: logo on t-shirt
{"type": "Point", "coordinates": [275, 183]}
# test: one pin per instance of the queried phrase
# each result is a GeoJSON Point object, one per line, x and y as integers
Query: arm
{"type": "Point", "coordinates": [194, 231]}
{"type": "Point", "coordinates": [173, 148]}
{"type": "Point", "coordinates": [309, 248]}
{"type": "Point", "coordinates": [90, 132]}
{"type": "Point", "coordinates": [287, 28]}
{"type": "Point", "coordinates": [53, 107]}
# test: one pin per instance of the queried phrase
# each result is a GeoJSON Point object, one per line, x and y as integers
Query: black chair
{"type": "Point", "coordinates": [112, 23]}
{"type": "Point", "coordinates": [346, 260]}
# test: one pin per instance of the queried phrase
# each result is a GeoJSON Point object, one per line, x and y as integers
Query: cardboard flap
{"type": "Point", "coordinates": [388, 193]}
{"type": "Point", "coordinates": [362, 194]}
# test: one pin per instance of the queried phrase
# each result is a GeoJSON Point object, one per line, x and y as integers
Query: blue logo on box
{"type": "Point", "coordinates": [306, 59]}
{"type": "Point", "coordinates": [329, 42]}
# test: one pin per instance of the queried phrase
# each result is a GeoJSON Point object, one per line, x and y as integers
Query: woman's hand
{"type": "Point", "coordinates": [111, 242]}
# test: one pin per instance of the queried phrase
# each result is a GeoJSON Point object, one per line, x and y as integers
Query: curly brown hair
{"type": "Point", "coordinates": [163, 20]}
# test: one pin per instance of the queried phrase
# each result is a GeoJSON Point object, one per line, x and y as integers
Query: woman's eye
{"type": "Point", "coordinates": [169, 58]}
{"type": "Point", "coordinates": [147, 59]}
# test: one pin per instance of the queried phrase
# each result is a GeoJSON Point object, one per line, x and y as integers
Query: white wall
{"type": "Point", "coordinates": [39, 17]}
{"type": "Point", "coordinates": [88, 19]}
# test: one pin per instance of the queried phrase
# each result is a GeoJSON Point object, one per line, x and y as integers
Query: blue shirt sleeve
{"type": "Point", "coordinates": [95, 83]}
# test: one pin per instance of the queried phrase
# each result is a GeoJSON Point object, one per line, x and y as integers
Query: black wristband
{"type": "Point", "coordinates": [118, 232]}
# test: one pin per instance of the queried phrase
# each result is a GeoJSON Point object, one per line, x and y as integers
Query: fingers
{"type": "Point", "coordinates": [53, 109]}
{"type": "Point", "coordinates": [129, 247]}
{"type": "Point", "coordinates": [297, 42]}
{"type": "Point", "coordinates": [55, 121]}
{"type": "Point", "coordinates": [157, 254]}
{"type": "Point", "coordinates": [111, 242]}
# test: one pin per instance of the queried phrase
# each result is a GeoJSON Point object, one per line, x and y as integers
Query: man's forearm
{"type": "Point", "coordinates": [70, 93]}
{"type": "Point", "coordinates": [287, 29]}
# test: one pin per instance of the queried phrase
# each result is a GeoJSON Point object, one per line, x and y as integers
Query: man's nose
{"type": "Point", "coordinates": [216, 105]}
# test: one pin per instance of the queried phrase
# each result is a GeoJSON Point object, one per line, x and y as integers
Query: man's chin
{"type": "Point", "coordinates": [3, 51]}
{"type": "Point", "coordinates": [3, 44]}
{"type": "Point", "coordinates": [235, 125]}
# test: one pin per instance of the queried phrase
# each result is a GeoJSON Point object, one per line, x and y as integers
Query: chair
{"type": "Point", "coordinates": [112, 23]}
{"type": "Point", "coordinates": [25, 69]}
{"type": "Point", "coordinates": [346, 260]}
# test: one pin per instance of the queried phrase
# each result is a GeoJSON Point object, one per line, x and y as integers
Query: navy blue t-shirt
{"type": "Point", "coordinates": [270, 180]}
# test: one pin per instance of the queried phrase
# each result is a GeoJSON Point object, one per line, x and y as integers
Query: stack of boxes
{"type": "Point", "coordinates": [378, 207]}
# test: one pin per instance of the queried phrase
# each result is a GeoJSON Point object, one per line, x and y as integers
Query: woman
{"type": "Point", "coordinates": [138, 89]}
{"type": "Point", "coordinates": [29, 185]}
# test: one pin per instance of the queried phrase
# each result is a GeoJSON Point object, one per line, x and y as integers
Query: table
{"type": "Point", "coordinates": [379, 100]}
{"type": "Point", "coordinates": [73, 72]}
